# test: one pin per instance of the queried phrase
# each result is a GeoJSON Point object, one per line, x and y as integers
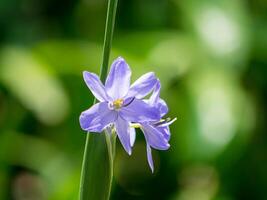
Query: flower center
{"type": "Point", "coordinates": [118, 103]}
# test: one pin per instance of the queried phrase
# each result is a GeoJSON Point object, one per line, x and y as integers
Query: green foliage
{"type": "Point", "coordinates": [97, 168]}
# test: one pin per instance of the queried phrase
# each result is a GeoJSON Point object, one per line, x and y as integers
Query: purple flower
{"type": "Point", "coordinates": [119, 103]}
{"type": "Point", "coordinates": [156, 132]}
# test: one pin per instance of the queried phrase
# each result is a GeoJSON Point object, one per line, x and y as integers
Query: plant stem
{"type": "Point", "coordinates": [101, 144]}
{"type": "Point", "coordinates": [110, 22]}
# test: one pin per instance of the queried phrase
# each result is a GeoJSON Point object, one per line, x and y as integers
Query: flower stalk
{"type": "Point", "coordinates": [110, 23]}
{"type": "Point", "coordinates": [97, 166]}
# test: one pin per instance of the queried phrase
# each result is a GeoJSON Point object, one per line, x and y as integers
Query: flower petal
{"type": "Point", "coordinates": [155, 95]}
{"type": "Point", "coordinates": [165, 131]}
{"type": "Point", "coordinates": [139, 111]}
{"type": "Point", "coordinates": [123, 131]}
{"type": "Point", "coordinates": [156, 101]}
{"type": "Point", "coordinates": [162, 106]}
{"type": "Point", "coordinates": [149, 157]}
{"type": "Point", "coordinates": [96, 118]}
{"type": "Point", "coordinates": [132, 136]}
{"type": "Point", "coordinates": [163, 127]}
{"type": "Point", "coordinates": [118, 80]}
{"type": "Point", "coordinates": [154, 137]}
{"type": "Point", "coordinates": [95, 85]}
{"type": "Point", "coordinates": [142, 86]}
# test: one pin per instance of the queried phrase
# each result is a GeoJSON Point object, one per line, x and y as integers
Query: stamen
{"type": "Point", "coordinates": [167, 123]}
{"type": "Point", "coordinates": [118, 103]}
{"type": "Point", "coordinates": [162, 121]}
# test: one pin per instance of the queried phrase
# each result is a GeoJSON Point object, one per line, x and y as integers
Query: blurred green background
{"type": "Point", "coordinates": [211, 57]}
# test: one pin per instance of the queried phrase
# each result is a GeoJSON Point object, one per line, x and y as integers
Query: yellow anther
{"type": "Point", "coordinates": [118, 103]}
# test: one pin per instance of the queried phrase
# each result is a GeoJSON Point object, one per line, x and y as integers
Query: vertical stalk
{"type": "Point", "coordinates": [110, 22]}
{"type": "Point", "coordinates": [96, 176]}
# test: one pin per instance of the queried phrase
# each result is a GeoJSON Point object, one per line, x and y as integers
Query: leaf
{"type": "Point", "coordinates": [97, 169]}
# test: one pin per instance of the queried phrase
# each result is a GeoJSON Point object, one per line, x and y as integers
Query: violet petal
{"type": "Point", "coordinates": [95, 85]}
{"type": "Point", "coordinates": [142, 86]}
{"type": "Point", "coordinates": [162, 107]}
{"type": "Point", "coordinates": [149, 157]}
{"type": "Point", "coordinates": [118, 79]}
{"type": "Point", "coordinates": [155, 95]}
{"type": "Point", "coordinates": [96, 118]}
{"type": "Point", "coordinates": [139, 111]}
{"type": "Point", "coordinates": [156, 101]}
{"type": "Point", "coordinates": [132, 136]}
{"type": "Point", "coordinates": [165, 131]}
{"type": "Point", "coordinates": [154, 137]}
{"type": "Point", "coordinates": [123, 132]}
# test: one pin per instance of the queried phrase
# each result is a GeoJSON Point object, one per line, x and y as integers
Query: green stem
{"type": "Point", "coordinates": [99, 147]}
{"type": "Point", "coordinates": [110, 22]}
